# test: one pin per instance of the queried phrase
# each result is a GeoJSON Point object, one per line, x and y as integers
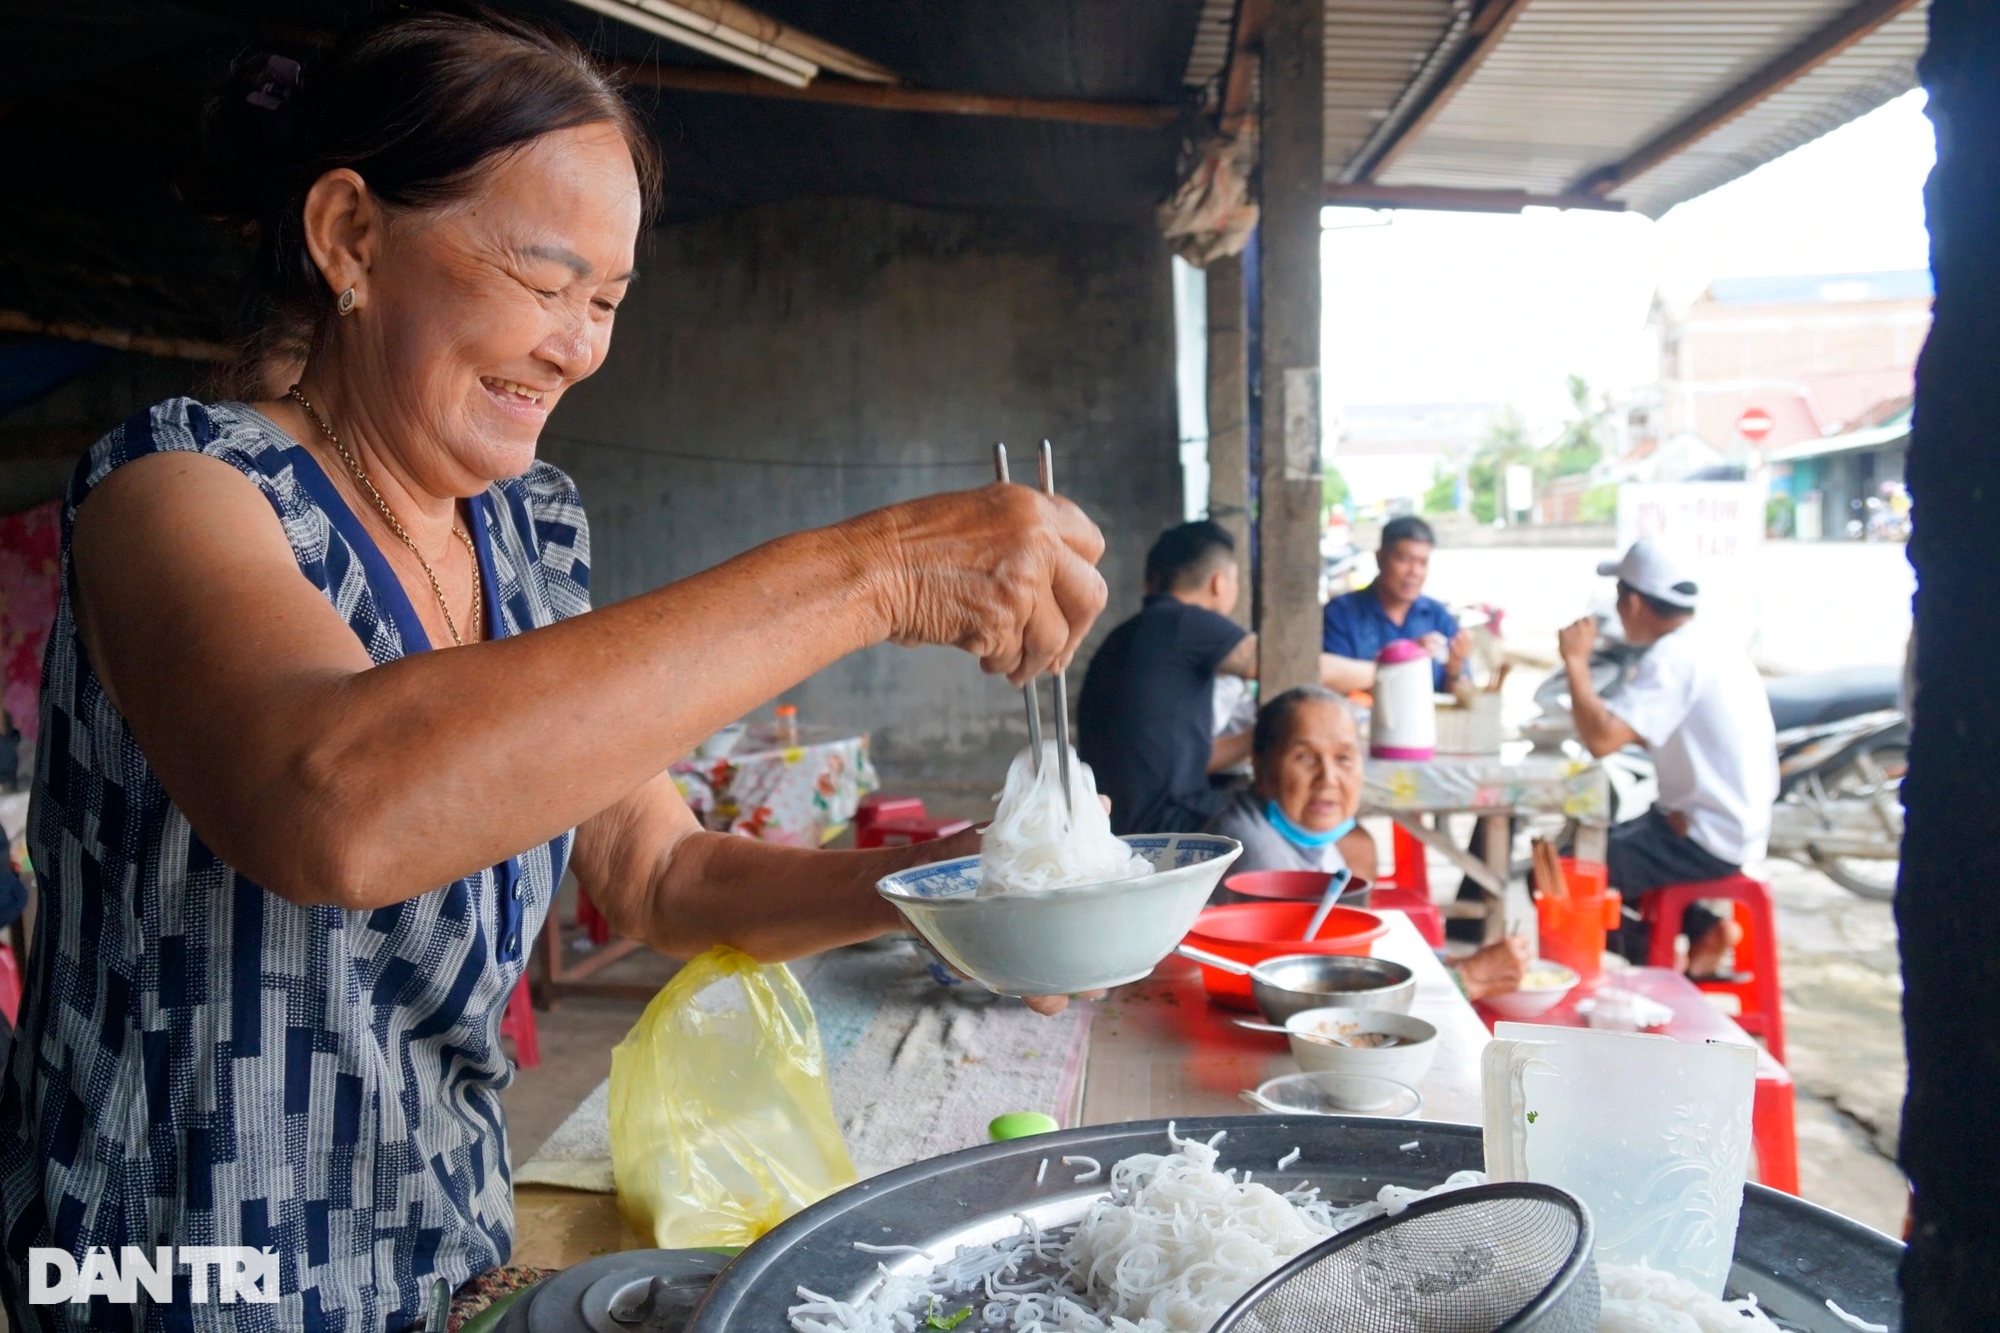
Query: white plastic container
{"type": "Point", "coordinates": [1403, 723]}
{"type": "Point", "coordinates": [1651, 1133]}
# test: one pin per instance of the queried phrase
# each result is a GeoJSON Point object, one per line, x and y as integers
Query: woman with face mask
{"type": "Point", "coordinates": [1299, 814]}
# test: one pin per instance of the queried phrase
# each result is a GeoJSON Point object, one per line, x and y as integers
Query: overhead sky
{"type": "Point", "coordinates": [1465, 307]}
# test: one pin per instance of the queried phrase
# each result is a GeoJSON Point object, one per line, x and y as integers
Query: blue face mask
{"type": "Point", "coordinates": [1305, 837]}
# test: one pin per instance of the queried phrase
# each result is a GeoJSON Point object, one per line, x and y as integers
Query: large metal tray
{"type": "Point", "coordinates": [1791, 1254]}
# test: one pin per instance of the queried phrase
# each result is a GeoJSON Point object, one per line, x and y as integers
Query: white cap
{"type": "Point", "coordinates": [1651, 569]}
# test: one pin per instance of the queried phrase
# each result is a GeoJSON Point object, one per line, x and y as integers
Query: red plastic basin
{"type": "Point", "coordinates": [1252, 932]}
{"type": "Point", "coordinates": [1293, 886]}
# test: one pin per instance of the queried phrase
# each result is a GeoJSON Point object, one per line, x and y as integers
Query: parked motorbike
{"type": "Point", "coordinates": [1843, 748]}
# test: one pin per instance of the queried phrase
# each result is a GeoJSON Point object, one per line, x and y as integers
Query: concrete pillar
{"type": "Point", "coordinates": [1228, 413]}
{"type": "Point", "coordinates": [1291, 193]}
{"type": "Point", "coordinates": [1948, 904]}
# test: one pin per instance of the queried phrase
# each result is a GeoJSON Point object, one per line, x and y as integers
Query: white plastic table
{"type": "Point", "coordinates": [1158, 1048]}
{"type": "Point", "coordinates": [1497, 788]}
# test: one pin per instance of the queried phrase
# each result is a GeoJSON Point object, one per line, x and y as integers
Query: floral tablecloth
{"type": "Point", "coordinates": [1535, 783]}
{"type": "Point", "coordinates": [802, 795]}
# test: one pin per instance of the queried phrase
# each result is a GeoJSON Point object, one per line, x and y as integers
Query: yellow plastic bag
{"type": "Point", "coordinates": [721, 1122]}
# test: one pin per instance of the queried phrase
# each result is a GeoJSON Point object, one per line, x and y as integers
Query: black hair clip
{"type": "Point", "coordinates": [276, 83]}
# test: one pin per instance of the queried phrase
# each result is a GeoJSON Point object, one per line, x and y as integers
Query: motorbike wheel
{"type": "Point", "coordinates": [1871, 879]}
{"type": "Point", "coordinates": [1867, 877]}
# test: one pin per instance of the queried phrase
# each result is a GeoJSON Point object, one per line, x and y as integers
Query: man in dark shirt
{"type": "Point", "coordinates": [1359, 625]}
{"type": "Point", "coordinates": [1146, 719]}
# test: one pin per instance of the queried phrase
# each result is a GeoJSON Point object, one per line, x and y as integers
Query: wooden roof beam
{"type": "Point", "coordinates": [187, 349]}
{"type": "Point", "coordinates": [879, 97]}
{"type": "Point", "coordinates": [1452, 200]}
{"type": "Point", "coordinates": [1482, 36]}
{"type": "Point", "coordinates": [1246, 39]}
{"type": "Point", "coordinates": [1829, 41]}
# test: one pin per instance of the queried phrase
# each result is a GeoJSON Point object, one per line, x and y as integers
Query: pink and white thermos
{"type": "Point", "coordinates": [1403, 723]}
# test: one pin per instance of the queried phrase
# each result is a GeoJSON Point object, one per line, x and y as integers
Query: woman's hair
{"type": "Point", "coordinates": [1274, 719]}
{"type": "Point", "coordinates": [416, 104]}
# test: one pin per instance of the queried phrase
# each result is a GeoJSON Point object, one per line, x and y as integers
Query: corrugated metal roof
{"type": "Point", "coordinates": [1881, 66]}
{"type": "Point", "coordinates": [1211, 42]}
{"type": "Point", "coordinates": [1907, 284]}
{"type": "Point", "coordinates": [1575, 85]}
{"type": "Point", "coordinates": [1374, 51]}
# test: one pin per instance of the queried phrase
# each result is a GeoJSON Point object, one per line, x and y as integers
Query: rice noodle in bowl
{"type": "Point", "coordinates": [1037, 842]}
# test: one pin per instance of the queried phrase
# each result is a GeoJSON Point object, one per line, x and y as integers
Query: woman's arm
{"type": "Point", "coordinates": [328, 779]}
{"type": "Point", "coordinates": [657, 877]}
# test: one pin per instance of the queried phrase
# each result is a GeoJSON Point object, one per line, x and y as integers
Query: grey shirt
{"type": "Point", "coordinates": [1264, 848]}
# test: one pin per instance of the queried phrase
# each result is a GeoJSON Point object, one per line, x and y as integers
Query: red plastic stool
{"type": "Point", "coordinates": [1773, 1128]}
{"type": "Point", "coordinates": [903, 832]}
{"type": "Point", "coordinates": [591, 921]}
{"type": "Point", "coordinates": [1759, 997]}
{"type": "Point", "coordinates": [518, 1022]}
{"type": "Point", "coordinates": [877, 806]}
{"type": "Point", "coordinates": [1423, 913]}
{"type": "Point", "coordinates": [10, 985]}
{"type": "Point", "coordinates": [1411, 872]}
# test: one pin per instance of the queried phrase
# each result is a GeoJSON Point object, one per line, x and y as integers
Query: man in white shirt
{"type": "Point", "coordinates": [1701, 709]}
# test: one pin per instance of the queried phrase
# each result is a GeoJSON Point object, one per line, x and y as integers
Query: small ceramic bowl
{"type": "Point", "coordinates": [1554, 982]}
{"type": "Point", "coordinates": [1321, 1093]}
{"type": "Point", "coordinates": [1406, 1062]}
{"type": "Point", "coordinates": [1065, 940]}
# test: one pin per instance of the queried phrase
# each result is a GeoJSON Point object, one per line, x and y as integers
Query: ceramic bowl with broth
{"type": "Point", "coordinates": [1387, 1045]}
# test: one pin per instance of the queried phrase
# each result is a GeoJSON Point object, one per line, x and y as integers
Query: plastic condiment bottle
{"type": "Point", "coordinates": [785, 731]}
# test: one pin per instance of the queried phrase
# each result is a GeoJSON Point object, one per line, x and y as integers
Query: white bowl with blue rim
{"type": "Point", "coordinates": [1063, 941]}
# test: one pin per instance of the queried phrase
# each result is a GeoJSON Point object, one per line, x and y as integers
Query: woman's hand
{"type": "Point", "coordinates": [1006, 573]}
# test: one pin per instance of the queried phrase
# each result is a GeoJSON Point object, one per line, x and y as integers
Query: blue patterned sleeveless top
{"type": "Point", "coordinates": [200, 1062]}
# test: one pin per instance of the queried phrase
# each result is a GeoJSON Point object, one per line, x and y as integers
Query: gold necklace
{"type": "Point", "coordinates": [389, 516]}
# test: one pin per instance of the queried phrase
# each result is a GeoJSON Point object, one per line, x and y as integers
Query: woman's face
{"type": "Point", "coordinates": [1315, 777]}
{"type": "Point", "coordinates": [481, 315]}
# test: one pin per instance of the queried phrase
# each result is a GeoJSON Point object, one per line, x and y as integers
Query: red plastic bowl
{"type": "Point", "coordinates": [1252, 932]}
{"type": "Point", "coordinates": [1293, 886]}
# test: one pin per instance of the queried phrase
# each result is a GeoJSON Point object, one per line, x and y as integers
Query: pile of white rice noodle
{"type": "Point", "coordinates": [1036, 842]}
{"type": "Point", "coordinates": [1171, 1248]}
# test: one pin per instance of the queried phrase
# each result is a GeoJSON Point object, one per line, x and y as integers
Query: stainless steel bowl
{"type": "Point", "coordinates": [1295, 982]}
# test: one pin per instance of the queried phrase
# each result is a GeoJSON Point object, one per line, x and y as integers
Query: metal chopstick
{"type": "Point", "coordinates": [1028, 692]}
{"type": "Point", "coordinates": [1062, 682]}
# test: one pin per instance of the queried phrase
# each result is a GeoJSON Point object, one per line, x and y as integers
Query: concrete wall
{"type": "Point", "coordinates": [798, 363]}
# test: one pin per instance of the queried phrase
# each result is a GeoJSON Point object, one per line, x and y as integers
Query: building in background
{"type": "Point", "coordinates": [1390, 454]}
{"type": "Point", "coordinates": [1803, 380]}
{"type": "Point", "coordinates": [1817, 355]}
{"type": "Point", "coordinates": [1848, 485]}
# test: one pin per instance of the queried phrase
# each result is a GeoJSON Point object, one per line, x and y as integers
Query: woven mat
{"type": "Point", "coordinates": [917, 1068]}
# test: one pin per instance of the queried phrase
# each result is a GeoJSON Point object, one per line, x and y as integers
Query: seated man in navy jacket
{"type": "Point", "coordinates": [1145, 721]}
{"type": "Point", "coordinates": [1359, 625]}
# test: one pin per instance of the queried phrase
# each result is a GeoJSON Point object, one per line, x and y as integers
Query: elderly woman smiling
{"type": "Point", "coordinates": [1299, 814]}
{"type": "Point", "coordinates": [327, 715]}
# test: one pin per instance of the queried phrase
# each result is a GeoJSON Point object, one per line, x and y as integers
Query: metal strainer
{"type": "Point", "coordinates": [1486, 1259]}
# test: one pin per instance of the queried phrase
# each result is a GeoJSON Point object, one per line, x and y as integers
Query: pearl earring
{"type": "Point", "coordinates": [345, 305]}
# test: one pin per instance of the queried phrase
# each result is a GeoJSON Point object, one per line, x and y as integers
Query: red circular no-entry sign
{"type": "Point", "coordinates": [1755, 424]}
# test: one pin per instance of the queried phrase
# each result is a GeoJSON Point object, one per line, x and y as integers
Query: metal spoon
{"type": "Point", "coordinates": [1360, 1041]}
